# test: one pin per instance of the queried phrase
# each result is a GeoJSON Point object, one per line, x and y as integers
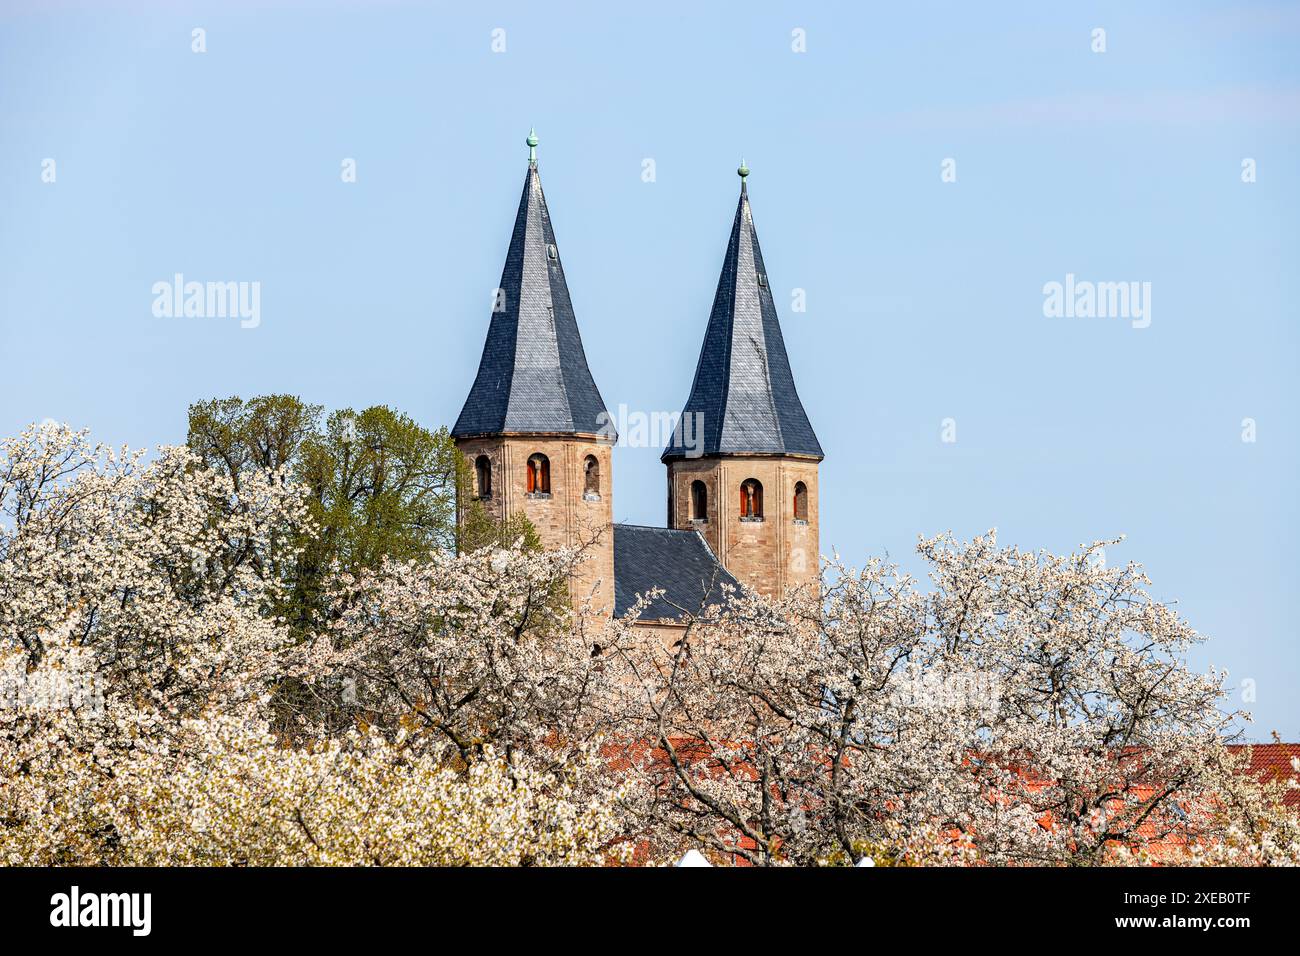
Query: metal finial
{"type": "Point", "coordinates": [743, 171]}
{"type": "Point", "coordinates": [532, 145]}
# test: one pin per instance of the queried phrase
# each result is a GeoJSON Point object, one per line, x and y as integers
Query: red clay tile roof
{"type": "Point", "coordinates": [1273, 762]}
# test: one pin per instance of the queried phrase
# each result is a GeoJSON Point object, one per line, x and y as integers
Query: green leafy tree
{"type": "Point", "coordinates": [378, 485]}
{"type": "Point", "coordinates": [480, 530]}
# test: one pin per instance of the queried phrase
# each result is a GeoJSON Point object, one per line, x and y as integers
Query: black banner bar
{"type": "Point", "coordinates": [226, 907]}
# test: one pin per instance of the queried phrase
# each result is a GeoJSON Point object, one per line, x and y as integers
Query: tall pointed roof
{"type": "Point", "coordinates": [743, 386]}
{"type": "Point", "coordinates": [533, 375]}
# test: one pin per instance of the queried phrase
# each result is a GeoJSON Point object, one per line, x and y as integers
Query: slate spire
{"type": "Point", "coordinates": [744, 391]}
{"type": "Point", "coordinates": [533, 375]}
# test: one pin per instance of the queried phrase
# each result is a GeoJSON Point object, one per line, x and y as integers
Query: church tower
{"type": "Point", "coordinates": [742, 466]}
{"type": "Point", "coordinates": [534, 428]}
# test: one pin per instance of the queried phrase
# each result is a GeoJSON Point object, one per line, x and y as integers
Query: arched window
{"type": "Point", "coordinates": [483, 475]}
{"type": "Point", "coordinates": [539, 475]}
{"type": "Point", "coordinates": [591, 477]}
{"type": "Point", "coordinates": [751, 500]}
{"type": "Point", "coordinates": [800, 501]}
{"type": "Point", "coordinates": [699, 501]}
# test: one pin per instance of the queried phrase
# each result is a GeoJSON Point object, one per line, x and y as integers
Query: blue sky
{"type": "Point", "coordinates": [924, 298]}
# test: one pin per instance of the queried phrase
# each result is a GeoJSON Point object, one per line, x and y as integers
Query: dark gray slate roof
{"type": "Point", "coordinates": [533, 375]}
{"type": "Point", "coordinates": [678, 561]}
{"type": "Point", "coordinates": [743, 385]}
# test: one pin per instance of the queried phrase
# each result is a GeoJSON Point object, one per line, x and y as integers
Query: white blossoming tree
{"type": "Point", "coordinates": [1027, 708]}
{"type": "Point", "coordinates": [138, 658]}
{"type": "Point", "coordinates": [1023, 709]}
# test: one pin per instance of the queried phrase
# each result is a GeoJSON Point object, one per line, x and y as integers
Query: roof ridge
{"type": "Point", "coordinates": [655, 527]}
{"type": "Point", "coordinates": [704, 541]}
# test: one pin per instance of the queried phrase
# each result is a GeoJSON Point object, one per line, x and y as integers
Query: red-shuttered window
{"type": "Point", "coordinates": [539, 475]}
